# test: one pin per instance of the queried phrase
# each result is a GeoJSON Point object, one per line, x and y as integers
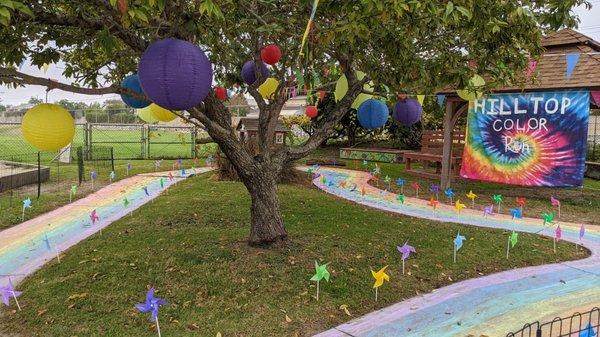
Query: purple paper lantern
{"type": "Point", "coordinates": [408, 111]}
{"type": "Point", "coordinates": [249, 74]}
{"type": "Point", "coordinates": [175, 74]}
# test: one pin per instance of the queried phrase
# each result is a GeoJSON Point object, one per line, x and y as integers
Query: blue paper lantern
{"type": "Point", "coordinates": [132, 83]}
{"type": "Point", "coordinates": [373, 114]}
{"type": "Point", "coordinates": [408, 111]}
{"type": "Point", "coordinates": [175, 74]}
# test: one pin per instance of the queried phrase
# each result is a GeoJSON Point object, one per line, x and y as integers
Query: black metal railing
{"type": "Point", "coordinates": [579, 324]}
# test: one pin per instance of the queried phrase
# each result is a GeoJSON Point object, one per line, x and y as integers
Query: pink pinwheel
{"type": "Point", "coordinates": [556, 203]}
{"type": "Point", "coordinates": [152, 305]}
{"type": "Point", "coordinates": [94, 217]}
{"type": "Point", "coordinates": [557, 236]}
{"type": "Point", "coordinates": [405, 250]}
{"type": "Point", "coordinates": [8, 292]}
{"type": "Point", "coordinates": [521, 202]}
{"type": "Point", "coordinates": [415, 186]}
{"type": "Point", "coordinates": [170, 176]}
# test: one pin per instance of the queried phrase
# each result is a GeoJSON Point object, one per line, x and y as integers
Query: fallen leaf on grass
{"type": "Point", "coordinates": [345, 308]}
{"type": "Point", "coordinates": [288, 319]}
{"type": "Point", "coordinates": [77, 296]}
{"type": "Point", "coordinates": [41, 312]}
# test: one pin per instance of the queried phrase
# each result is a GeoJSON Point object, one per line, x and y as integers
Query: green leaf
{"type": "Point", "coordinates": [5, 13]}
{"type": "Point", "coordinates": [4, 21]}
{"type": "Point", "coordinates": [449, 8]}
{"type": "Point", "coordinates": [465, 11]}
{"type": "Point", "coordinates": [141, 15]}
{"type": "Point", "coordinates": [7, 3]}
{"type": "Point", "coordinates": [23, 9]}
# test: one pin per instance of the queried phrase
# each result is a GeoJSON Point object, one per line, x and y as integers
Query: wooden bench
{"type": "Point", "coordinates": [432, 142]}
{"type": "Point", "coordinates": [372, 154]}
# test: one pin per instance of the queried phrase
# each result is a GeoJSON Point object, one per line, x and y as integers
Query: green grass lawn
{"type": "Point", "coordinates": [577, 204]}
{"type": "Point", "coordinates": [126, 143]}
{"type": "Point", "coordinates": [190, 245]}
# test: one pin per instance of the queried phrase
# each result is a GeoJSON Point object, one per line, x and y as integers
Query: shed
{"type": "Point", "coordinates": [247, 129]}
{"type": "Point", "coordinates": [549, 75]}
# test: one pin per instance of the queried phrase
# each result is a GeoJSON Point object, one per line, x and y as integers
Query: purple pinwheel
{"type": "Point", "coordinates": [405, 250]}
{"type": "Point", "coordinates": [8, 292]}
{"type": "Point", "coordinates": [489, 210]}
{"type": "Point", "coordinates": [435, 189]}
{"type": "Point", "coordinates": [581, 232]}
{"type": "Point", "coordinates": [152, 305]}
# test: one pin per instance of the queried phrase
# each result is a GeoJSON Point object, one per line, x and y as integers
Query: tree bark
{"type": "Point", "coordinates": [266, 224]}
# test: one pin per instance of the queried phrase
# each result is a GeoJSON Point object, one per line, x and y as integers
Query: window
{"type": "Point", "coordinates": [279, 138]}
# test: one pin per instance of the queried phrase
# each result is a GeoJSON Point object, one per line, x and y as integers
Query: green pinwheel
{"type": "Point", "coordinates": [512, 241]}
{"type": "Point", "coordinates": [321, 272]}
{"type": "Point", "coordinates": [548, 218]}
{"type": "Point", "coordinates": [400, 198]}
{"type": "Point", "coordinates": [498, 200]}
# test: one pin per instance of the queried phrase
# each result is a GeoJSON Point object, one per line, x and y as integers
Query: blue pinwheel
{"type": "Point", "coordinates": [151, 305]}
{"type": "Point", "coordinates": [517, 213]}
{"type": "Point", "coordinates": [458, 243]}
{"type": "Point", "coordinates": [449, 193]}
{"type": "Point", "coordinates": [400, 183]}
{"type": "Point", "coordinates": [588, 331]}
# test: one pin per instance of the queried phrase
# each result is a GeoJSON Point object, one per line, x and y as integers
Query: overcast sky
{"type": "Point", "coordinates": [590, 26]}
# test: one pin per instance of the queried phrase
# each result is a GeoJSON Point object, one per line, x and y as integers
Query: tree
{"type": "Point", "coordinates": [414, 46]}
{"type": "Point", "coordinates": [35, 100]}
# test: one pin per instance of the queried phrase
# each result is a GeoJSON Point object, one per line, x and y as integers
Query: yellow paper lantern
{"type": "Point", "coordinates": [161, 113]}
{"type": "Point", "coordinates": [476, 84]}
{"type": "Point", "coordinates": [48, 127]}
{"type": "Point", "coordinates": [146, 115]}
{"type": "Point", "coordinates": [341, 88]}
{"type": "Point", "coordinates": [267, 89]}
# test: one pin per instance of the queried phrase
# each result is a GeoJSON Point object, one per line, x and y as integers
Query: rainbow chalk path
{"type": "Point", "coordinates": [26, 247]}
{"type": "Point", "coordinates": [492, 305]}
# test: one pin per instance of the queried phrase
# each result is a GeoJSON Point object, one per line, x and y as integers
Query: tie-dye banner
{"type": "Point", "coordinates": [530, 139]}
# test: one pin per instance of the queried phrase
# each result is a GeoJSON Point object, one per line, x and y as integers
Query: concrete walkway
{"type": "Point", "coordinates": [26, 247]}
{"type": "Point", "coordinates": [492, 305]}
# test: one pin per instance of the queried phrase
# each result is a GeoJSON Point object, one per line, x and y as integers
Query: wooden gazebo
{"type": "Point", "coordinates": [549, 75]}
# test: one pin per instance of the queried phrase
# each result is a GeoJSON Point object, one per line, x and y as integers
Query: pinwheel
{"type": "Point", "coordinates": [459, 206]}
{"type": "Point", "coordinates": [162, 183]}
{"type": "Point", "coordinates": [488, 210]}
{"type": "Point", "coordinates": [151, 305]}
{"type": "Point", "coordinates": [8, 292]}
{"type": "Point", "coordinates": [171, 176]}
{"type": "Point", "coordinates": [458, 243]}
{"type": "Point", "coordinates": [128, 168]}
{"type": "Point", "coordinates": [472, 197]}
{"type": "Point", "coordinates": [588, 331]}
{"type": "Point", "coordinates": [210, 160]}
{"type": "Point", "coordinates": [376, 170]}
{"type": "Point", "coordinates": [93, 176]}
{"type": "Point", "coordinates": [26, 204]}
{"type": "Point", "coordinates": [183, 172]}
{"type": "Point", "coordinates": [388, 181]}
{"type": "Point", "coordinates": [498, 200]}
{"type": "Point", "coordinates": [365, 164]}
{"type": "Point", "coordinates": [512, 241]}
{"type": "Point", "coordinates": [435, 189]}
{"type": "Point", "coordinates": [379, 276]}
{"type": "Point", "coordinates": [320, 273]}
{"type": "Point", "coordinates": [363, 191]}
{"type": "Point", "coordinates": [520, 202]}
{"type": "Point", "coordinates": [449, 192]}
{"type": "Point", "coordinates": [557, 236]}
{"type": "Point", "coordinates": [555, 203]}
{"type": "Point", "coordinates": [415, 186]}
{"type": "Point", "coordinates": [330, 183]}
{"type": "Point", "coordinates": [433, 203]}
{"type": "Point", "coordinates": [581, 234]}
{"type": "Point", "coordinates": [400, 198]}
{"type": "Point", "coordinates": [126, 205]}
{"type": "Point", "coordinates": [400, 183]}
{"type": "Point", "coordinates": [72, 192]}
{"type": "Point", "coordinates": [548, 218]}
{"type": "Point", "coordinates": [156, 165]}
{"type": "Point", "coordinates": [112, 176]}
{"type": "Point", "coordinates": [405, 250]}
{"type": "Point", "coordinates": [94, 217]}
{"type": "Point", "coordinates": [342, 183]}
{"type": "Point", "coordinates": [516, 213]}
{"type": "Point", "coordinates": [49, 247]}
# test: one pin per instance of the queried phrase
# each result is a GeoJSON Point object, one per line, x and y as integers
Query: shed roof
{"type": "Point", "coordinates": [251, 124]}
{"type": "Point", "coordinates": [550, 72]}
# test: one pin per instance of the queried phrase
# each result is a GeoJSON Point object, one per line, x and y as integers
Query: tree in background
{"type": "Point", "coordinates": [413, 46]}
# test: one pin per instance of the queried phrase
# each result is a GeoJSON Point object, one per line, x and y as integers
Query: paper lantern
{"type": "Point", "coordinates": [249, 74]}
{"type": "Point", "coordinates": [270, 54]}
{"type": "Point", "coordinates": [146, 115]}
{"type": "Point", "coordinates": [408, 111]}
{"type": "Point", "coordinates": [48, 127]}
{"type": "Point", "coordinates": [175, 74]}
{"type": "Point", "coordinates": [161, 113]}
{"type": "Point", "coordinates": [221, 93]}
{"type": "Point", "coordinates": [132, 83]}
{"type": "Point", "coordinates": [311, 111]}
{"type": "Point", "coordinates": [373, 114]}
{"type": "Point", "coordinates": [268, 88]}
{"type": "Point", "coordinates": [341, 88]}
{"type": "Point", "coordinates": [476, 84]}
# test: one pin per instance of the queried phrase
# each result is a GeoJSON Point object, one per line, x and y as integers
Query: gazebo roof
{"type": "Point", "coordinates": [550, 72]}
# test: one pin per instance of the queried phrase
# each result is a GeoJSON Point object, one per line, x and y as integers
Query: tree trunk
{"type": "Point", "coordinates": [266, 225]}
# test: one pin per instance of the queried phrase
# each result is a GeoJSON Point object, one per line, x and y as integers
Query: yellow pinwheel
{"type": "Point", "coordinates": [379, 276]}
{"type": "Point", "coordinates": [459, 206]}
{"type": "Point", "coordinates": [472, 197]}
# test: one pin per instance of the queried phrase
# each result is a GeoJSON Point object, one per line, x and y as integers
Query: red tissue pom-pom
{"type": "Point", "coordinates": [221, 93]}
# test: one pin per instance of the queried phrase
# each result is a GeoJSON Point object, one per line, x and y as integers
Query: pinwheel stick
{"type": "Point", "coordinates": [402, 267]}
{"type": "Point", "coordinates": [554, 245]}
{"type": "Point", "coordinates": [454, 253]}
{"type": "Point", "coordinates": [57, 254]}
{"type": "Point", "coordinates": [473, 203]}
{"type": "Point", "coordinates": [376, 294]}
{"type": "Point", "coordinates": [16, 300]}
{"type": "Point", "coordinates": [23, 216]}
{"type": "Point", "coordinates": [507, 247]}
{"type": "Point", "coordinates": [559, 210]}
{"type": "Point", "coordinates": [158, 327]}
{"type": "Point", "coordinates": [318, 290]}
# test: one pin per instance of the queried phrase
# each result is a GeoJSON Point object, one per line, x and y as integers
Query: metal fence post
{"type": "Point", "coordinates": [112, 159]}
{"type": "Point", "coordinates": [39, 176]}
{"type": "Point", "coordinates": [194, 153]}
